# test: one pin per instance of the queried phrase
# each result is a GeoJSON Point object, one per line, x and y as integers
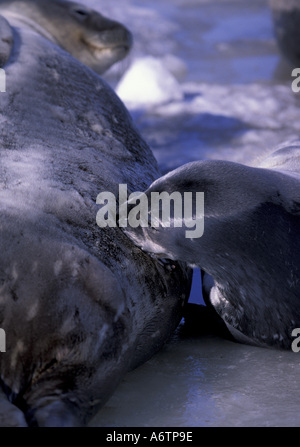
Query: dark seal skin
{"type": "Point", "coordinates": [80, 305]}
{"type": "Point", "coordinates": [286, 18]}
{"type": "Point", "coordinates": [250, 248]}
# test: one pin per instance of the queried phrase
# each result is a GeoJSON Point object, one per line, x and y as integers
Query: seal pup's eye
{"type": "Point", "coordinates": [80, 13]}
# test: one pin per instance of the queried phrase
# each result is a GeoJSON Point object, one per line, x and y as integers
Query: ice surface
{"type": "Point", "coordinates": [237, 104]}
{"type": "Point", "coordinates": [207, 382]}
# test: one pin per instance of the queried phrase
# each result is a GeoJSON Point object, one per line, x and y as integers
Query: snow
{"type": "Point", "coordinates": [148, 82]}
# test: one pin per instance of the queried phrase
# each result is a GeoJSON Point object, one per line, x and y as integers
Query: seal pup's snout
{"type": "Point", "coordinates": [140, 237]}
{"type": "Point", "coordinates": [150, 236]}
{"type": "Point", "coordinates": [171, 217]}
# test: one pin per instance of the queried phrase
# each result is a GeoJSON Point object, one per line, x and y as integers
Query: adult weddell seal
{"type": "Point", "coordinates": [250, 246]}
{"type": "Point", "coordinates": [79, 305]}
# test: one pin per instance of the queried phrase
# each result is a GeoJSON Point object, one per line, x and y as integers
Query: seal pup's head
{"type": "Point", "coordinates": [231, 193]}
{"type": "Point", "coordinates": [93, 39]}
{"type": "Point", "coordinates": [250, 245]}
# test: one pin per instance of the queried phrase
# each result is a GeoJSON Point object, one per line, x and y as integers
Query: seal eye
{"type": "Point", "coordinates": [80, 13]}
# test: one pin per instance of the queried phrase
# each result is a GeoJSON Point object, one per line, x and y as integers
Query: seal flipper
{"type": "Point", "coordinates": [6, 41]}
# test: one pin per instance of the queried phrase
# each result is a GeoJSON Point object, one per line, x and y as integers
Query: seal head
{"type": "Point", "coordinates": [250, 245]}
{"type": "Point", "coordinates": [93, 39]}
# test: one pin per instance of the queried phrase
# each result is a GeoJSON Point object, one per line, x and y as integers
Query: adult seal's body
{"type": "Point", "coordinates": [80, 305]}
{"type": "Point", "coordinates": [250, 246]}
{"type": "Point", "coordinates": [89, 36]}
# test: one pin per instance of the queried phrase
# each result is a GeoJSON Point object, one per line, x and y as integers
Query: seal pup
{"type": "Point", "coordinates": [95, 40]}
{"type": "Point", "coordinates": [80, 305]}
{"type": "Point", "coordinates": [250, 246]}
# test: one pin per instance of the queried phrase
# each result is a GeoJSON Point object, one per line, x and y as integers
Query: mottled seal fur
{"type": "Point", "coordinates": [250, 246]}
{"type": "Point", "coordinates": [80, 305]}
{"type": "Point", "coordinates": [90, 37]}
